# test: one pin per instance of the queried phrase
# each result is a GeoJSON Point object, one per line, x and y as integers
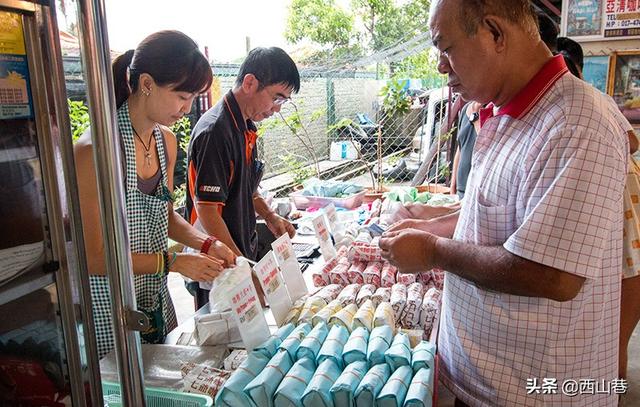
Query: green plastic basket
{"type": "Point", "coordinates": [157, 397]}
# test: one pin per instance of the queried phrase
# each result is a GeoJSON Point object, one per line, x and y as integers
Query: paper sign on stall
{"type": "Point", "coordinates": [322, 233]}
{"type": "Point", "coordinates": [273, 287]}
{"type": "Point", "coordinates": [248, 314]}
{"type": "Point", "coordinates": [286, 257]}
{"type": "Point", "coordinates": [332, 216]}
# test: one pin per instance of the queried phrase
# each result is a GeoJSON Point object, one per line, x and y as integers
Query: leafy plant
{"type": "Point", "coordinates": [296, 167]}
{"type": "Point", "coordinates": [182, 130]}
{"type": "Point", "coordinates": [79, 118]}
{"type": "Point", "coordinates": [396, 101]}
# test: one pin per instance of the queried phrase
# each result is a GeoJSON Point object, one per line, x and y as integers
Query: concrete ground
{"type": "Point", "coordinates": [183, 302]}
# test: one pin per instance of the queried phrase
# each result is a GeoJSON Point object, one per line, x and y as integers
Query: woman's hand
{"type": "Point", "coordinates": [197, 266]}
{"type": "Point", "coordinates": [221, 252]}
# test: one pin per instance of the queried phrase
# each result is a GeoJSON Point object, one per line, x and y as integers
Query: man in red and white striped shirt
{"type": "Point", "coordinates": [531, 298]}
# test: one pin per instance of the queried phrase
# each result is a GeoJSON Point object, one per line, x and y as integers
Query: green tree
{"type": "Point", "coordinates": [321, 22]}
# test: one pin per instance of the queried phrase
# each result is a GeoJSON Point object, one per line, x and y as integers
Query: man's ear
{"type": "Point", "coordinates": [250, 83]}
{"type": "Point", "coordinates": [496, 28]}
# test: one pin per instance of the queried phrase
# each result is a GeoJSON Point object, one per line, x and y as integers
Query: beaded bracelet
{"type": "Point", "coordinates": [173, 260]}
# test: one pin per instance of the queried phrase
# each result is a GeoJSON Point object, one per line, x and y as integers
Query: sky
{"type": "Point", "coordinates": [221, 25]}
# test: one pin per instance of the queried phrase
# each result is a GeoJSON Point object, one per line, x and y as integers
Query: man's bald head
{"type": "Point", "coordinates": [471, 13]}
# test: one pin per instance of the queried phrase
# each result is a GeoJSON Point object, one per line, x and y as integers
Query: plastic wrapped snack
{"type": "Point", "coordinates": [405, 278]}
{"type": "Point", "coordinates": [382, 294]}
{"type": "Point", "coordinates": [371, 384]}
{"type": "Point", "coordinates": [372, 273]}
{"type": "Point", "coordinates": [344, 388]}
{"type": "Point", "coordinates": [321, 277]}
{"type": "Point", "coordinates": [344, 317]}
{"type": "Point", "coordinates": [365, 293]}
{"type": "Point", "coordinates": [384, 316]}
{"type": "Point", "coordinates": [399, 354]}
{"type": "Point", "coordinates": [420, 392]}
{"type": "Point", "coordinates": [411, 314]}
{"type": "Point", "coordinates": [398, 300]}
{"type": "Point", "coordinates": [364, 316]}
{"type": "Point", "coordinates": [216, 329]}
{"type": "Point", "coordinates": [388, 275]}
{"type": "Point", "coordinates": [262, 388]}
{"type": "Point", "coordinates": [232, 392]}
{"type": "Point", "coordinates": [329, 293]}
{"type": "Point", "coordinates": [317, 393]}
{"type": "Point", "coordinates": [423, 356]}
{"type": "Point", "coordinates": [293, 340]}
{"type": "Point", "coordinates": [325, 313]}
{"type": "Point", "coordinates": [429, 310]}
{"type": "Point", "coordinates": [291, 389]}
{"type": "Point", "coordinates": [311, 308]}
{"type": "Point", "coordinates": [395, 390]}
{"type": "Point", "coordinates": [270, 347]}
{"type": "Point", "coordinates": [294, 312]}
{"type": "Point", "coordinates": [349, 294]}
{"type": "Point", "coordinates": [333, 345]}
{"type": "Point", "coordinates": [311, 344]}
{"type": "Point", "coordinates": [354, 274]}
{"type": "Point", "coordinates": [356, 347]}
{"type": "Point", "coordinates": [424, 278]}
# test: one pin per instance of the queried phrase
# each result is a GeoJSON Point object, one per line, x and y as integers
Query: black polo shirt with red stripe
{"type": "Point", "coordinates": [223, 170]}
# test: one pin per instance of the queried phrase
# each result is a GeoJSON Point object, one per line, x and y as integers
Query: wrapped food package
{"type": "Point", "coordinates": [311, 308]}
{"type": "Point", "coordinates": [354, 274]}
{"type": "Point", "coordinates": [437, 276]}
{"type": "Point", "coordinates": [289, 392]}
{"type": "Point", "coordinates": [261, 389]}
{"type": "Point", "coordinates": [235, 359]}
{"type": "Point", "coordinates": [202, 379]}
{"type": "Point", "coordinates": [344, 317]}
{"type": "Point", "coordinates": [384, 316]}
{"type": "Point", "coordinates": [406, 278]}
{"type": "Point", "coordinates": [329, 293]}
{"type": "Point", "coordinates": [415, 335]}
{"type": "Point", "coordinates": [379, 342]}
{"type": "Point", "coordinates": [270, 347]}
{"type": "Point", "coordinates": [411, 314]}
{"type": "Point", "coordinates": [325, 313]}
{"type": "Point", "coordinates": [216, 329]}
{"type": "Point", "coordinates": [429, 310]}
{"type": "Point", "coordinates": [356, 347]}
{"type": "Point", "coordinates": [333, 345]}
{"type": "Point", "coordinates": [232, 392]}
{"type": "Point", "coordinates": [372, 274]}
{"type": "Point", "coordinates": [388, 275]}
{"type": "Point", "coordinates": [366, 250]}
{"type": "Point", "coordinates": [321, 277]}
{"type": "Point", "coordinates": [365, 293]}
{"type": "Point", "coordinates": [398, 300]}
{"type": "Point", "coordinates": [371, 384]}
{"type": "Point", "coordinates": [382, 294]}
{"type": "Point", "coordinates": [420, 392]}
{"type": "Point", "coordinates": [339, 274]}
{"type": "Point", "coordinates": [423, 356]}
{"type": "Point", "coordinates": [399, 354]}
{"type": "Point", "coordinates": [293, 340]}
{"type": "Point", "coordinates": [311, 344]}
{"type": "Point", "coordinates": [344, 388]}
{"type": "Point", "coordinates": [349, 294]}
{"type": "Point", "coordinates": [364, 316]}
{"type": "Point", "coordinates": [294, 313]}
{"type": "Point", "coordinates": [424, 278]}
{"type": "Point", "coordinates": [395, 390]}
{"type": "Point", "coordinates": [317, 393]}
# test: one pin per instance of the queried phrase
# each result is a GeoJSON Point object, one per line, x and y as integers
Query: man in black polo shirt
{"type": "Point", "coordinates": [223, 169]}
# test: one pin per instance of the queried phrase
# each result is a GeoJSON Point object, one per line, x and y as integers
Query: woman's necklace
{"type": "Point", "coordinates": [147, 152]}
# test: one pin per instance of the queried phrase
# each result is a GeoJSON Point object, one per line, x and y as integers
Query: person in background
{"type": "Point", "coordinates": [532, 259]}
{"type": "Point", "coordinates": [468, 128]}
{"type": "Point", "coordinates": [548, 31]}
{"type": "Point", "coordinates": [223, 168]}
{"type": "Point", "coordinates": [150, 96]}
{"type": "Point", "coordinates": [572, 50]}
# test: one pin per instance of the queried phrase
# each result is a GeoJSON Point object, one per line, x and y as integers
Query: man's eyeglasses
{"type": "Point", "coordinates": [280, 100]}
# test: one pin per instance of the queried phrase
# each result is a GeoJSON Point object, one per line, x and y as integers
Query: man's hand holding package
{"type": "Point", "coordinates": [410, 250]}
{"type": "Point", "coordinates": [279, 225]}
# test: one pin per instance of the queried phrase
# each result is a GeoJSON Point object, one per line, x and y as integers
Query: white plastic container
{"type": "Point", "coordinates": [343, 150]}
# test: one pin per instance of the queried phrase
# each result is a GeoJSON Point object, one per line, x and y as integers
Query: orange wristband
{"type": "Point", "coordinates": [207, 244]}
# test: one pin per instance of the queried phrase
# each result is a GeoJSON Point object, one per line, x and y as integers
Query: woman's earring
{"type": "Point", "coordinates": [146, 92]}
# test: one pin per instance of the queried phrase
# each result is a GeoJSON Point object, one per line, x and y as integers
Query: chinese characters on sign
{"type": "Point", "coordinates": [622, 18]}
{"type": "Point", "coordinates": [570, 387]}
